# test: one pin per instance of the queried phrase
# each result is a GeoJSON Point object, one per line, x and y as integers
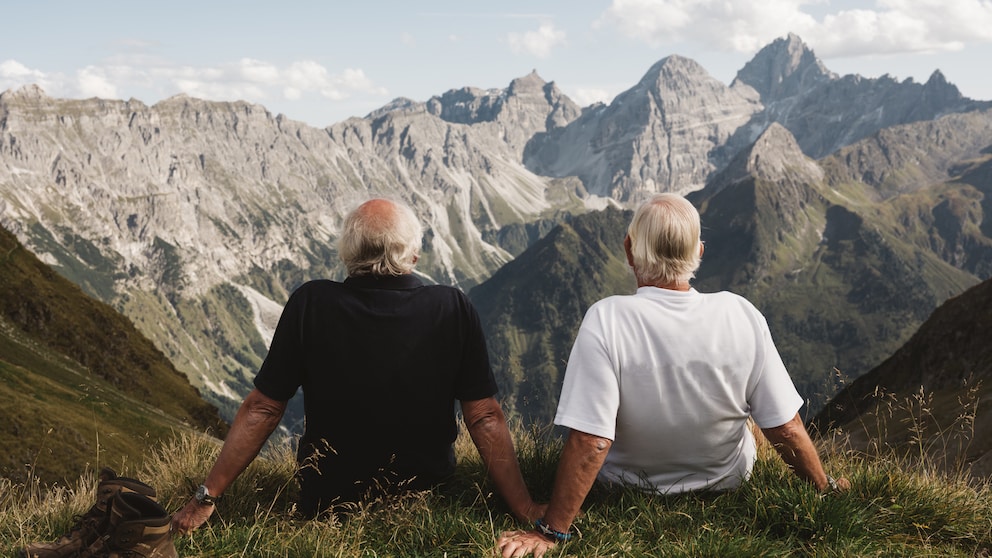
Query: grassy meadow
{"type": "Point", "coordinates": [898, 506]}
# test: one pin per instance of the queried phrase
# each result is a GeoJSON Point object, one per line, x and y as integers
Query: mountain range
{"type": "Point", "coordinates": [847, 208]}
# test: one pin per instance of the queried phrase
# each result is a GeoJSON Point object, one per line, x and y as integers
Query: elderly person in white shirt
{"type": "Point", "coordinates": [660, 385]}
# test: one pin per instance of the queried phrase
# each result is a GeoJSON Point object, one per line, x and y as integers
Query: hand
{"type": "Point", "coordinates": [517, 544]}
{"type": "Point", "coordinates": [843, 485]}
{"type": "Point", "coordinates": [191, 516]}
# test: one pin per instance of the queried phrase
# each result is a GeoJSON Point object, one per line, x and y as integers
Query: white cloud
{"type": "Point", "coordinates": [356, 80]}
{"type": "Point", "coordinates": [740, 25]}
{"type": "Point", "coordinates": [260, 72]}
{"type": "Point", "coordinates": [586, 96]}
{"type": "Point", "coordinates": [536, 43]}
{"type": "Point", "coordinates": [247, 79]}
{"type": "Point", "coordinates": [12, 69]}
{"type": "Point", "coordinates": [307, 75]}
{"type": "Point", "coordinates": [93, 82]}
{"type": "Point", "coordinates": [14, 75]}
{"type": "Point", "coordinates": [888, 26]}
{"type": "Point", "coordinates": [901, 26]}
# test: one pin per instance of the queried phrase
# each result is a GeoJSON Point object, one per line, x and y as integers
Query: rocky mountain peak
{"type": "Point", "coordinates": [784, 68]}
{"type": "Point", "coordinates": [31, 91]}
{"type": "Point", "coordinates": [467, 105]}
{"type": "Point", "coordinates": [531, 83]}
{"type": "Point", "coordinates": [774, 158]}
{"type": "Point", "coordinates": [938, 87]}
{"type": "Point", "coordinates": [661, 135]}
{"type": "Point", "coordinates": [776, 154]}
{"type": "Point", "coordinates": [528, 101]}
{"type": "Point", "coordinates": [674, 72]}
{"type": "Point", "coordinates": [397, 104]}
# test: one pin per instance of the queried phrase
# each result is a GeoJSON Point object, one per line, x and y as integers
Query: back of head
{"type": "Point", "coordinates": [380, 237]}
{"type": "Point", "coordinates": [664, 238]}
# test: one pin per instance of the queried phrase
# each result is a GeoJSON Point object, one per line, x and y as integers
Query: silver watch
{"type": "Point", "coordinates": [204, 497]}
{"type": "Point", "coordinates": [832, 484]}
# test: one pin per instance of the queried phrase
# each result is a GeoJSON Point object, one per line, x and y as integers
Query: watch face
{"type": "Point", "coordinates": [202, 495]}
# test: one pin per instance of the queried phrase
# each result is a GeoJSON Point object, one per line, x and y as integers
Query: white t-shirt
{"type": "Point", "coordinates": [672, 377]}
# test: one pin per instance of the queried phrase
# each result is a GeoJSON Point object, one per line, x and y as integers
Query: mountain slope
{"type": "Point", "coordinates": [532, 307]}
{"type": "Point", "coordinates": [949, 360]}
{"type": "Point", "coordinates": [80, 383]}
{"type": "Point", "coordinates": [841, 286]}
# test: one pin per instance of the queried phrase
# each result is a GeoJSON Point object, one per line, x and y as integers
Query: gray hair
{"type": "Point", "coordinates": [380, 237]}
{"type": "Point", "coordinates": [664, 238]}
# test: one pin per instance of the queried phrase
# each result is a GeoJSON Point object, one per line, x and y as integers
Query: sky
{"type": "Point", "coordinates": [322, 62]}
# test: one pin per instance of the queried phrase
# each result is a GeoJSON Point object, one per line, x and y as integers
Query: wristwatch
{"type": "Point", "coordinates": [832, 484]}
{"type": "Point", "coordinates": [203, 496]}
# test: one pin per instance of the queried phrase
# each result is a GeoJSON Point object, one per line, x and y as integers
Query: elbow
{"type": "Point", "coordinates": [786, 433]}
{"type": "Point", "coordinates": [263, 412]}
{"type": "Point", "coordinates": [485, 421]}
{"type": "Point", "coordinates": [595, 446]}
{"type": "Point", "coordinates": [491, 420]}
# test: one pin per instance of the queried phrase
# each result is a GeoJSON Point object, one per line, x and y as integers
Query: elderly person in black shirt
{"type": "Point", "coordinates": [381, 359]}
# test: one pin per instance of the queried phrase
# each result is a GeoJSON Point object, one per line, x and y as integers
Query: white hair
{"type": "Point", "coordinates": [664, 238]}
{"type": "Point", "coordinates": [380, 237]}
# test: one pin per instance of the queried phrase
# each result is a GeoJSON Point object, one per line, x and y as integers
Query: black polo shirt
{"type": "Point", "coordinates": [381, 360]}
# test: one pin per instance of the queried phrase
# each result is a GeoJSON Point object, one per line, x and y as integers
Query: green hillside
{"type": "Point", "coordinates": [78, 384]}
{"type": "Point", "coordinates": [940, 381]}
{"type": "Point", "coordinates": [532, 307]}
{"type": "Point", "coordinates": [839, 285]}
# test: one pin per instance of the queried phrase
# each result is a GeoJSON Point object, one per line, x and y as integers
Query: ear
{"type": "Point", "coordinates": [628, 248]}
{"type": "Point", "coordinates": [701, 247]}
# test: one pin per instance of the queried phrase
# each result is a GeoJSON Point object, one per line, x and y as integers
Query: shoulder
{"type": "Point", "coordinates": [446, 294]}
{"type": "Point", "coordinates": [316, 286]}
{"type": "Point", "coordinates": [444, 291]}
{"type": "Point", "coordinates": [606, 309]}
{"type": "Point", "coordinates": [614, 301]}
{"type": "Point", "coordinates": [312, 290]}
{"type": "Point", "coordinates": [728, 298]}
{"type": "Point", "coordinates": [725, 301]}
{"type": "Point", "coordinates": [319, 284]}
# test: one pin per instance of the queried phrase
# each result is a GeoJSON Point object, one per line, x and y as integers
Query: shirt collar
{"type": "Point", "coordinates": [662, 293]}
{"type": "Point", "coordinates": [387, 282]}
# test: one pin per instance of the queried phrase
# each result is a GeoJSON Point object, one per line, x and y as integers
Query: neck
{"type": "Point", "coordinates": [672, 286]}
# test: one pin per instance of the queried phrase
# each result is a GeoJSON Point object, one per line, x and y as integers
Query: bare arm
{"type": "Point", "coordinates": [257, 417]}
{"type": "Point", "coordinates": [797, 450]}
{"type": "Point", "coordinates": [580, 462]}
{"type": "Point", "coordinates": [486, 423]}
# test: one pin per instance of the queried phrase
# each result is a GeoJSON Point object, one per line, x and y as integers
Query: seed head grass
{"type": "Point", "coordinates": [897, 507]}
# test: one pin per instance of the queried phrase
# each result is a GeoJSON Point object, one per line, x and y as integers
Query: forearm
{"type": "Point", "coordinates": [487, 425]}
{"type": "Point", "coordinates": [580, 462]}
{"type": "Point", "coordinates": [797, 450]}
{"type": "Point", "coordinates": [255, 421]}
